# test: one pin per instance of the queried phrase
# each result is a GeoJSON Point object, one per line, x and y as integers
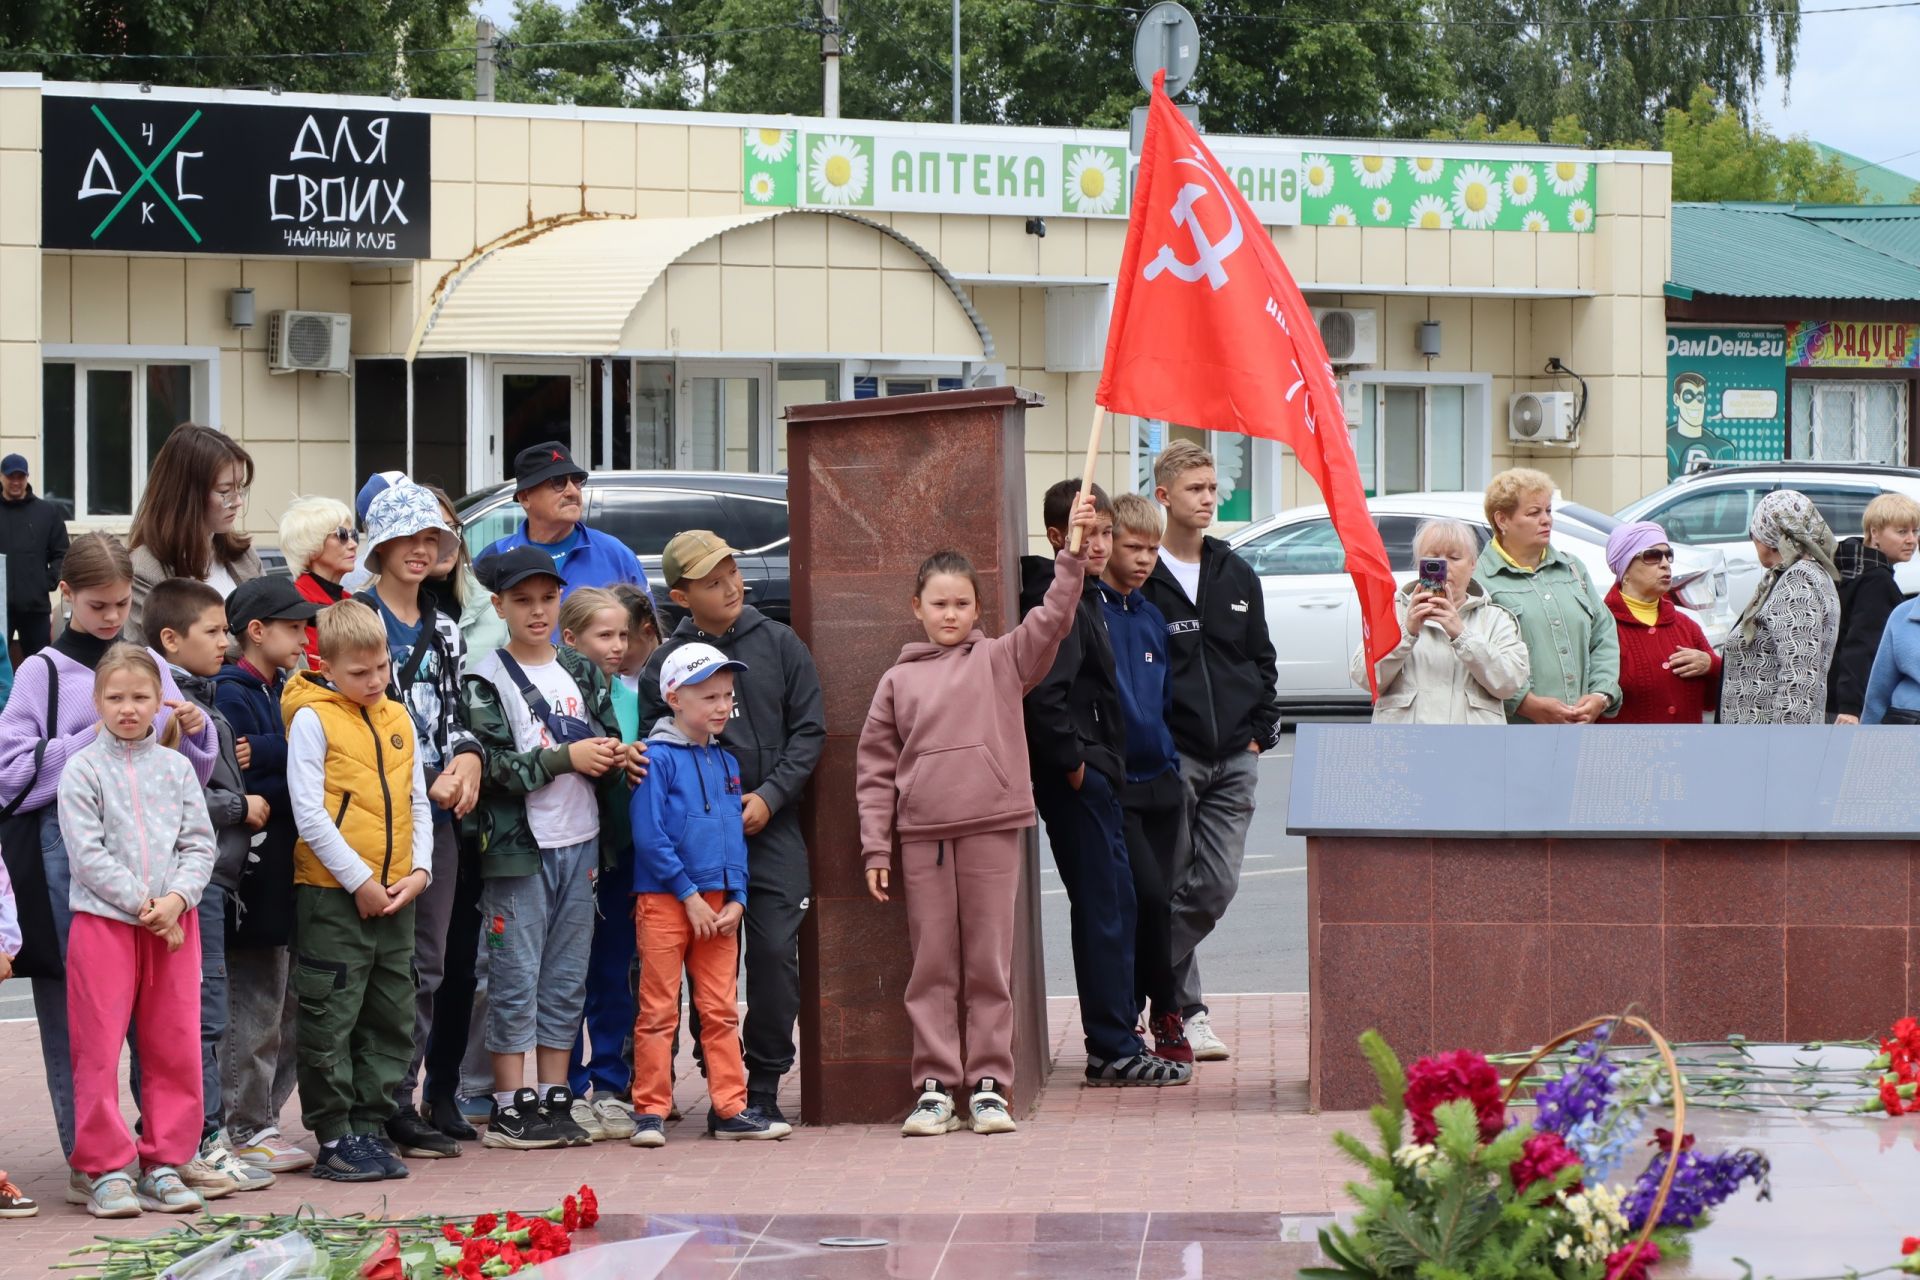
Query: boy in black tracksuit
{"type": "Point", "coordinates": [1076, 745]}
{"type": "Point", "coordinates": [1225, 709]}
{"type": "Point", "coordinates": [1868, 596]}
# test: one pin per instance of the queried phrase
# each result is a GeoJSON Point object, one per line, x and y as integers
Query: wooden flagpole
{"type": "Point", "coordinates": [1075, 538]}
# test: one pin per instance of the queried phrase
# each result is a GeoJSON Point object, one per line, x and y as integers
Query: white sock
{"type": "Point", "coordinates": [504, 1097]}
{"type": "Point", "coordinates": [546, 1089]}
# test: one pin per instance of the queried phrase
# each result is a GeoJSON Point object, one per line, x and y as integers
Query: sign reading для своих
{"type": "Point", "coordinates": [156, 175]}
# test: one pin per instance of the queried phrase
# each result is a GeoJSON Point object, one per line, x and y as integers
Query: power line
{"type": "Point", "coordinates": [1206, 17]}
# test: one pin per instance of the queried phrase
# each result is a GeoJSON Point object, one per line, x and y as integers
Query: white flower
{"type": "Point", "coordinates": [838, 170]}
{"type": "Point", "coordinates": [1093, 182]}
{"type": "Point", "coordinates": [1413, 1155]}
{"type": "Point", "coordinates": [1374, 171]}
{"type": "Point", "coordinates": [1382, 209]}
{"type": "Point", "coordinates": [1341, 215]}
{"type": "Point", "coordinates": [1476, 197]}
{"type": "Point", "coordinates": [769, 146]}
{"type": "Point", "coordinates": [1522, 183]}
{"type": "Point", "coordinates": [1427, 168]}
{"type": "Point", "coordinates": [1430, 212]}
{"type": "Point", "coordinates": [760, 188]}
{"type": "Point", "coordinates": [1316, 174]}
{"type": "Point", "coordinates": [1534, 221]}
{"type": "Point", "coordinates": [1567, 177]}
{"type": "Point", "coordinates": [1580, 216]}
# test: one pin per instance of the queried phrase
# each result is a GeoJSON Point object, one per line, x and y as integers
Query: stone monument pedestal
{"type": "Point", "coordinates": [875, 487]}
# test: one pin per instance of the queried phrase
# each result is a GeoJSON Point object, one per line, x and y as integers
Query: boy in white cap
{"type": "Point", "coordinates": [690, 872]}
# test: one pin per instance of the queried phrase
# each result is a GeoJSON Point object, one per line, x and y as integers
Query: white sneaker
{"type": "Point", "coordinates": [205, 1180]}
{"type": "Point", "coordinates": [247, 1177]}
{"type": "Point", "coordinates": [933, 1116]}
{"type": "Point", "coordinates": [111, 1195]}
{"type": "Point", "coordinates": [615, 1116]}
{"type": "Point", "coordinates": [989, 1108]}
{"type": "Point", "coordinates": [581, 1112]}
{"type": "Point", "coordinates": [1207, 1047]}
{"type": "Point", "coordinates": [162, 1190]}
{"type": "Point", "coordinates": [271, 1152]}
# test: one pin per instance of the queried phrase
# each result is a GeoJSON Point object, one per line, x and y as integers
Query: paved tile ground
{"type": "Point", "coordinates": [1238, 1138]}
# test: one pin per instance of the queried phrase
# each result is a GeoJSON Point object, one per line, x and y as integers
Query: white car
{"type": "Point", "coordinates": [1313, 613]}
{"type": "Point", "coordinates": [1710, 509]}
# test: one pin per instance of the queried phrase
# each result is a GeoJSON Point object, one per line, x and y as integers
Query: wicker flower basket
{"type": "Point", "coordinates": [1679, 1111]}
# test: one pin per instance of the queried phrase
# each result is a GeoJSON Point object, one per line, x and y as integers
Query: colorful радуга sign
{"type": "Point", "coordinates": [1726, 396]}
{"type": "Point", "coordinates": [1853, 344]}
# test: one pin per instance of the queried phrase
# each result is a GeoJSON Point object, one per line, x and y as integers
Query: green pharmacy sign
{"type": "Point", "coordinates": [1527, 192]}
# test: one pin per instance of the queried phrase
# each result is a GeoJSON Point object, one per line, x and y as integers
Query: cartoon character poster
{"type": "Point", "coordinates": [1726, 396]}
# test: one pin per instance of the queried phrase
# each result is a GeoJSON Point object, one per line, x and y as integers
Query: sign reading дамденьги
{"type": "Point", "coordinates": [158, 175]}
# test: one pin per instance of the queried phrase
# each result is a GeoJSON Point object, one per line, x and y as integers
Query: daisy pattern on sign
{"type": "Point", "coordinates": [1316, 175]}
{"type": "Point", "coordinates": [770, 146]}
{"type": "Point", "coordinates": [1426, 169]}
{"type": "Point", "coordinates": [1476, 197]}
{"type": "Point", "coordinates": [1567, 177]}
{"type": "Point", "coordinates": [838, 170]}
{"type": "Point", "coordinates": [1522, 184]}
{"type": "Point", "coordinates": [1534, 221]}
{"type": "Point", "coordinates": [1382, 209]}
{"type": "Point", "coordinates": [1341, 215]}
{"type": "Point", "coordinates": [1580, 216]}
{"type": "Point", "coordinates": [760, 188]}
{"type": "Point", "coordinates": [1093, 182]}
{"type": "Point", "coordinates": [1374, 171]}
{"type": "Point", "coordinates": [1430, 213]}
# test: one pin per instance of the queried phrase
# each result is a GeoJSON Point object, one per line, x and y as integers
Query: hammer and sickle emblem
{"type": "Point", "coordinates": [1212, 256]}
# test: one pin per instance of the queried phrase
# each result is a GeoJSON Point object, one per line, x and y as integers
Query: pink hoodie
{"type": "Point", "coordinates": [944, 750]}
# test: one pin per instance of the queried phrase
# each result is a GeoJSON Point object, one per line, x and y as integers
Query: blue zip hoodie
{"type": "Point", "coordinates": [687, 832]}
{"type": "Point", "coordinates": [1138, 633]}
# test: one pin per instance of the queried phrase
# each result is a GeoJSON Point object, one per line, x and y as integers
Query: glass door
{"type": "Point", "coordinates": [726, 422]}
{"type": "Point", "coordinates": [535, 401]}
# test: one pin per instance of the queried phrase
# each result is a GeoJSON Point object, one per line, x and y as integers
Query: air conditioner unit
{"type": "Point", "coordinates": [1540, 417]}
{"type": "Point", "coordinates": [1351, 334]}
{"type": "Point", "coordinates": [1353, 400]}
{"type": "Point", "coordinates": [310, 340]}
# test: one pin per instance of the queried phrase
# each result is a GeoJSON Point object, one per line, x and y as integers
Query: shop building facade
{"type": "Point", "coordinates": [657, 287]}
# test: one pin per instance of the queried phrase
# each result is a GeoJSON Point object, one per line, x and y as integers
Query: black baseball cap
{"type": "Point", "coordinates": [536, 464]}
{"type": "Point", "coordinates": [500, 571]}
{"type": "Point", "coordinates": [266, 599]}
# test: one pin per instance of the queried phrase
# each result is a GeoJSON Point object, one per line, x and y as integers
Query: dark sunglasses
{"type": "Point", "coordinates": [1657, 556]}
{"type": "Point", "coordinates": [560, 484]}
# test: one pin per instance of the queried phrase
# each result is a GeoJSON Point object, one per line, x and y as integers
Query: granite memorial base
{"type": "Point", "coordinates": [1485, 888]}
{"type": "Point", "coordinates": [875, 487]}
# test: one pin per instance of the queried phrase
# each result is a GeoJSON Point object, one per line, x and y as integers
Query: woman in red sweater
{"type": "Point", "coordinates": [1668, 672]}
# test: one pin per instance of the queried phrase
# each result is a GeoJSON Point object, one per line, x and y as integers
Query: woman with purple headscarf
{"type": "Point", "coordinates": [1669, 674]}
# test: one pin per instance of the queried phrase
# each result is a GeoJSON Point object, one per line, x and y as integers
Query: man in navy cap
{"type": "Point", "coordinates": [34, 537]}
{"type": "Point", "coordinates": [551, 488]}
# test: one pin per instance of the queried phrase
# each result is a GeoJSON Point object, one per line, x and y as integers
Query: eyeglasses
{"type": "Point", "coordinates": [560, 484]}
{"type": "Point", "coordinates": [344, 533]}
{"type": "Point", "coordinates": [230, 498]}
{"type": "Point", "coordinates": [1659, 555]}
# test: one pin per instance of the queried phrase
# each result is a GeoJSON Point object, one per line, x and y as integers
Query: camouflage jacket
{"type": "Point", "coordinates": [499, 822]}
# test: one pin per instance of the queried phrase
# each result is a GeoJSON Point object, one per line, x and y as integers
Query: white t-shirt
{"type": "Point", "coordinates": [565, 811]}
{"type": "Point", "coordinates": [220, 578]}
{"type": "Point", "coordinates": [1187, 575]}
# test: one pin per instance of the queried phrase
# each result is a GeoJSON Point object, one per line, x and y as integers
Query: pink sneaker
{"type": "Point", "coordinates": [1170, 1038]}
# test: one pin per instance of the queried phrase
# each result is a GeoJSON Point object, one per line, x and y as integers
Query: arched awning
{"type": "Point", "coordinates": [592, 288]}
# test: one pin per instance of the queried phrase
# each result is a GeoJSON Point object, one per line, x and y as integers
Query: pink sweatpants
{"type": "Point", "coordinates": [120, 975]}
{"type": "Point", "coordinates": [960, 900]}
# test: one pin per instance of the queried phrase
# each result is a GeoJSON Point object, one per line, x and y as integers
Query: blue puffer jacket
{"type": "Point", "coordinates": [1138, 633]}
{"type": "Point", "coordinates": [687, 832]}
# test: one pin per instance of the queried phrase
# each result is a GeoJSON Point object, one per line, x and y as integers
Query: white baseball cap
{"type": "Point", "coordinates": [692, 663]}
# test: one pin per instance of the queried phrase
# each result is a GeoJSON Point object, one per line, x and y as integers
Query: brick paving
{"type": "Point", "coordinates": [1239, 1138]}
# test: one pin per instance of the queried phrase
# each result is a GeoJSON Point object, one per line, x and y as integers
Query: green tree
{"type": "Point", "coordinates": [1717, 157]}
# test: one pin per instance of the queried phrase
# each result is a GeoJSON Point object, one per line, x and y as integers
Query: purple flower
{"type": "Point", "coordinates": [1583, 1092]}
{"type": "Point", "coordinates": [1700, 1184]}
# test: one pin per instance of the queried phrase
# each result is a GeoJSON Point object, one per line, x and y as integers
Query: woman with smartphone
{"type": "Point", "coordinates": [1460, 655]}
{"type": "Point", "coordinates": [1669, 674]}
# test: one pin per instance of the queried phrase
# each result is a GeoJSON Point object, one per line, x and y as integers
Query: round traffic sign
{"type": "Point", "coordinates": [1167, 39]}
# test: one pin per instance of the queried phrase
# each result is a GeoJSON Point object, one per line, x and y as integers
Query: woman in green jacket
{"type": "Point", "coordinates": [1573, 647]}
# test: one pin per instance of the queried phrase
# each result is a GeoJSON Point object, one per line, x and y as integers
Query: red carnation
{"type": "Point", "coordinates": [1447, 1076]}
{"type": "Point", "coordinates": [452, 1233]}
{"type": "Point", "coordinates": [510, 1254]}
{"type": "Point", "coordinates": [1663, 1141]}
{"type": "Point", "coordinates": [1890, 1097]}
{"type": "Point", "coordinates": [1909, 1245]}
{"type": "Point", "coordinates": [485, 1224]}
{"type": "Point", "coordinates": [570, 1214]}
{"type": "Point", "coordinates": [1643, 1262]}
{"type": "Point", "coordinates": [589, 1207]}
{"type": "Point", "coordinates": [467, 1270]}
{"type": "Point", "coordinates": [1543, 1156]}
{"type": "Point", "coordinates": [384, 1262]}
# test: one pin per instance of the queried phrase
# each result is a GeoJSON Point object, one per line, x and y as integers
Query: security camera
{"type": "Point", "coordinates": [1037, 227]}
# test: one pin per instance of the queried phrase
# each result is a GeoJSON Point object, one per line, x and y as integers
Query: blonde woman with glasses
{"type": "Point", "coordinates": [319, 541]}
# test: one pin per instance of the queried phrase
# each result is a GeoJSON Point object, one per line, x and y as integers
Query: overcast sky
{"type": "Point", "coordinates": [1853, 85]}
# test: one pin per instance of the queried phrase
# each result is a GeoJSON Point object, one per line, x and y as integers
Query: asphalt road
{"type": "Point", "coordinates": [1261, 946]}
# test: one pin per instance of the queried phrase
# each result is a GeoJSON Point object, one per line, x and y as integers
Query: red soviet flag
{"type": "Point", "coordinates": [1209, 330]}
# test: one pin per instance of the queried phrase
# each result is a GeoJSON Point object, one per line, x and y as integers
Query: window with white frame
{"type": "Point", "coordinates": [1838, 420]}
{"type": "Point", "coordinates": [103, 421]}
{"type": "Point", "coordinates": [1409, 437]}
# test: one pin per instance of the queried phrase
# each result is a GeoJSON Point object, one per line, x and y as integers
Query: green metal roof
{"type": "Point", "coordinates": [1888, 186]}
{"type": "Point", "coordinates": [1797, 251]}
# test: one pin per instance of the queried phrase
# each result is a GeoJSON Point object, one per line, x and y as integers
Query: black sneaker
{"type": "Point", "coordinates": [413, 1136]}
{"type": "Point", "coordinates": [767, 1104]}
{"type": "Point", "coordinates": [354, 1158]}
{"type": "Point", "coordinates": [444, 1115]}
{"type": "Point", "coordinates": [748, 1126]}
{"type": "Point", "coordinates": [558, 1106]}
{"type": "Point", "coordinates": [521, 1126]}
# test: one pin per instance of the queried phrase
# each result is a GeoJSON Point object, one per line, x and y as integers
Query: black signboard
{"type": "Point", "coordinates": [155, 175]}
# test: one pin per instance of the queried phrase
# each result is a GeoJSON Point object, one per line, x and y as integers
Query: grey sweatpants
{"type": "Point", "coordinates": [537, 932]}
{"type": "Point", "coordinates": [433, 911]}
{"type": "Point", "coordinates": [1219, 809]}
{"type": "Point", "coordinates": [258, 1070]}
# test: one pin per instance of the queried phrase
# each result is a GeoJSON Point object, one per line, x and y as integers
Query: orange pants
{"type": "Point", "coordinates": [666, 945]}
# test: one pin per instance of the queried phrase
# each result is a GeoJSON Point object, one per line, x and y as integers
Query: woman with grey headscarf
{"type": "Point", "coordinates": [1779, 652]}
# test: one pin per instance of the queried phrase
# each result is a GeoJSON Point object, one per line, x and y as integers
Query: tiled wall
{"type": "Point", "coordinates": [1497, 945]}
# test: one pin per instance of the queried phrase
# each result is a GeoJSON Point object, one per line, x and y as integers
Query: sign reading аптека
{"type": "Point", "coordinates": [148, 175]}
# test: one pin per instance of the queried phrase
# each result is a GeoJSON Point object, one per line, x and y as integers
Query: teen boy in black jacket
{"type": "Point", "coordinates": [1225, 709]}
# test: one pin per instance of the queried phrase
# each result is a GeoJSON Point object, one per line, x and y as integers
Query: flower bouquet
{"type": "Point", "coordinates": [1897, 1067]}
{"type": "Point", "coordinates": [1471, 1194]}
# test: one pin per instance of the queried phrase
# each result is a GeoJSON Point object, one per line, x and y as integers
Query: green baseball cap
{"type": "Point", "coordinates": [693, 554]}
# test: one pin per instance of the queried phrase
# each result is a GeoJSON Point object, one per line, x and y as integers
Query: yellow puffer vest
{"type": "Point", "coordinates": [369, 779]}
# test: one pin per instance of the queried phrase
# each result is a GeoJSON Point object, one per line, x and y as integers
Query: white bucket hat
{"type": "Point", "coordinates": [400, 512]}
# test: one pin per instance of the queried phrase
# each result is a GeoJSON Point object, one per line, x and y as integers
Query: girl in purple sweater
{"type": "Point", "coordinates": [97, 584]}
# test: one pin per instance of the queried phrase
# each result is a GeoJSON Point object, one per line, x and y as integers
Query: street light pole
{"type": "Point", "coordinates": [956, 61]}
{"type": "Point", "coordinates": [830, 58]}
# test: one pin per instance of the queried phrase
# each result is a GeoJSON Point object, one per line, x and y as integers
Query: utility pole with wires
{"type": "Point", "coordinates": [830, 58]}
{"type": "Point", "coordinates": [956, 61]}
{"type": "Point", "coordinates": [483, 65]}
